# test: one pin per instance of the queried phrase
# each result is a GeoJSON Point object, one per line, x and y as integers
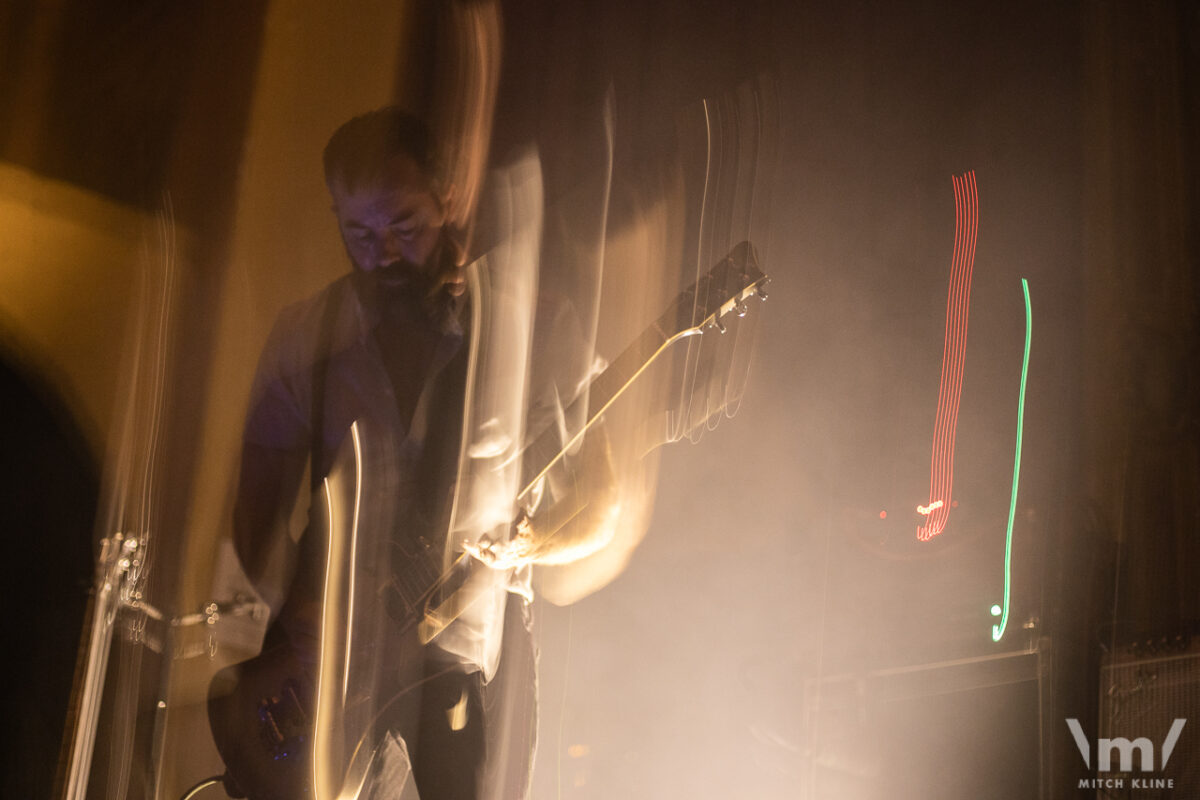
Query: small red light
{"type": "Point", "coordinates": [883, 515]}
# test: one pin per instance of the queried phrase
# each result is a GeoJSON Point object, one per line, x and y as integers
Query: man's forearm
{"type": "Point", "coordinates": [582, 520]}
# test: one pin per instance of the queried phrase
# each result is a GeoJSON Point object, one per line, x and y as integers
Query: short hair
{"type": "Point", "coordinates": [358, 150]}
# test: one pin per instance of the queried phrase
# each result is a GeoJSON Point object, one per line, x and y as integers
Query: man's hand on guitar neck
{"type": "Point", "coordinates": [516, 552]}
{"type": "Point", "coordinates": [579, 522]}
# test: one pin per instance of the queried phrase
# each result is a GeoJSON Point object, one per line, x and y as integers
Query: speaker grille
{"type": "Point", "coordinates": [1141, 696]}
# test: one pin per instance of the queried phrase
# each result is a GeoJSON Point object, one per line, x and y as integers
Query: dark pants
{"type": "Point", "coordinates": [449, 746]}
{"type": "Point", "coordinates": [467, 740]}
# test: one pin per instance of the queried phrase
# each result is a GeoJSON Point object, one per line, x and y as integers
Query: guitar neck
{"type": "Point", "coordinates": [719, 291]}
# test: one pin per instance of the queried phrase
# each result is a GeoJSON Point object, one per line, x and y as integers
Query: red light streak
{"type": "Point", "coordinates": [958, 301]}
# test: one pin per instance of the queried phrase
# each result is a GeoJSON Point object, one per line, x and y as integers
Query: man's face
{"type": "Point", "coordinates": [392, 228]}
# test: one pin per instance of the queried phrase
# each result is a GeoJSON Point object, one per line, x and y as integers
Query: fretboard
{"type": "Point", "coordinates": [727, 283]}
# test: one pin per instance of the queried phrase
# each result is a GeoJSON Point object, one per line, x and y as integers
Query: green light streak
{"type": "Point", "coordinates": [998, 630]}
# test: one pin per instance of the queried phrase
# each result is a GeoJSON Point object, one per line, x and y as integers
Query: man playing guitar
{"type": "Point", "coordinates": [386, 346]}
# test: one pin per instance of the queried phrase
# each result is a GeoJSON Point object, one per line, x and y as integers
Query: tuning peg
{"type": "Point", "coordinates": [739, 308]}
{"type": "Point", "coordinates": [761, 289]}
{"type": "Point", "coordinates": [716, 323]}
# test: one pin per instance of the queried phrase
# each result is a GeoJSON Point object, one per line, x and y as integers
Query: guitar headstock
{"type": "Point", "coordinates": [725, 289]}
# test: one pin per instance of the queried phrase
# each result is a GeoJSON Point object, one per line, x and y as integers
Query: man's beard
{"type": "Point", "coordinates": [401, 276]}
{"type": "Point", "coordinates": [403, 284]}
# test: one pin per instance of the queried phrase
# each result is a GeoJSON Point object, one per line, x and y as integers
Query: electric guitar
{"type": "Point", "coordinates": [263, 712]}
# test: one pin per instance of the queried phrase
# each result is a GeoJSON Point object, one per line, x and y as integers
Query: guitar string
{"type": "Point", "coordinates": [698, 399]}
{"type": "Point", "coordinates": [720, 348]}
{"type": "Point", "coordinates": [690, 357]}
{"type": "Point", "coordinates": [733, 404]}
{"type": "Point", "coordinates": [714, 177]}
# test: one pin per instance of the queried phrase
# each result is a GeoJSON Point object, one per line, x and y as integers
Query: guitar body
{"type": "Point", "coordinates": [260, 713]}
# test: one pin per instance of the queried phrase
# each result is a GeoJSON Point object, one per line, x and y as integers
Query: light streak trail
{"type": "Point", "coordinates": [958, 301]}
{"type": "Point", "coordinates": [353, 570]}
{"type": "Point", "coordinates": [323, 740]}
{"type": "Point", "coordinates": [337, 623]}
{"type": "Point", "coordinates": [929, 509]}
{"type": "Point", "coordinates": [998, 630]}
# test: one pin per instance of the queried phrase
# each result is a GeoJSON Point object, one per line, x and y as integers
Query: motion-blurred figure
{"type": "Point", "coordinates": [388, 346]}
